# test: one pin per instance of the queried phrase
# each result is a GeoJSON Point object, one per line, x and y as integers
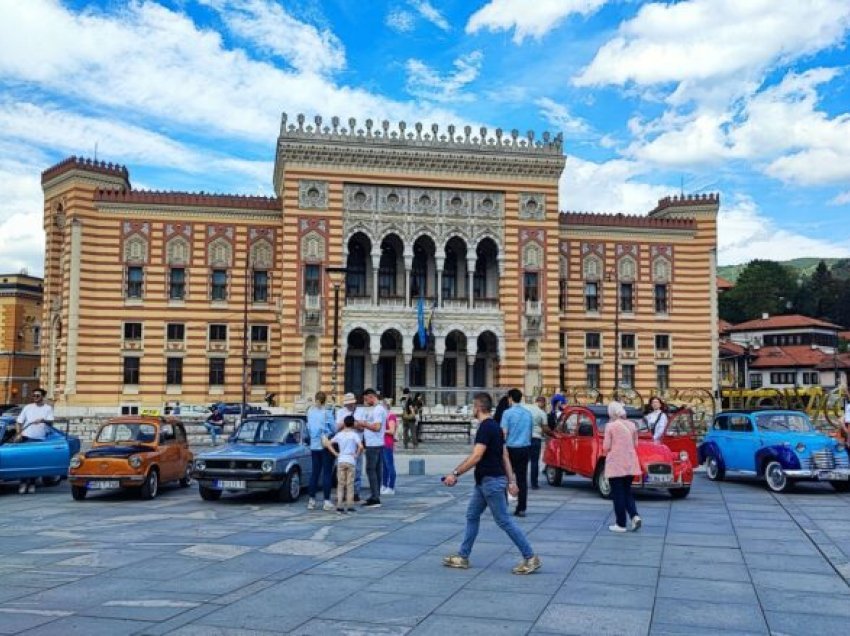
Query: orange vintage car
{"type": "Point", "coordinates": [133, 452]}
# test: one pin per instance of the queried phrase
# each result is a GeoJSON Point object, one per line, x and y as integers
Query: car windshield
{"type": "Point", "coordinates": [270, 430]}
{"type": "Point", "coordinates": [127, 433]}
{"type": "Point", "coordinates": [783, 422]}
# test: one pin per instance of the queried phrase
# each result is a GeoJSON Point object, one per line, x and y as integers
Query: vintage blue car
{"type": "Point", "coordinates": [48, 460]}
{"type": "Point", "coordinates": [780, 446]}
{"type": "Point", "coordinates": [267, 453]}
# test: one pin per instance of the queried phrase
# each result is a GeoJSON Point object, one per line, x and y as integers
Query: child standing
{"type": "Point", "coordinates": [346, 446]}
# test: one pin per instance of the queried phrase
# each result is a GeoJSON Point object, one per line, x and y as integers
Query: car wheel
{"type": "Point", "coordinates": [291, 489]}
{"type": "Point", "coordinates": [600, 481]}
{"type": "Point", "coordinates": [51, 481]}
{"type": "Point", "coordinates": [554, 476]}
{"type": "Point", "coordinates": [680, 493]}
{"type": "Point", "coordinates": [186, 479]}
{"type": "Point", "coordinates": [775, 478]}
{"type": "Point", "coordinates": [713, 470]}
{"type": "Point", "coordinates": [209, 494]}
{"type": "Point", "coordinates": [150, 487]}
{"type": "Point", "coordinates": [79, 492]}
{"type": "Point", "coordinates": [840, 486]}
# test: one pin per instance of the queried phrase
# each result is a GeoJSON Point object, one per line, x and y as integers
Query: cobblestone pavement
{"type": "Point", "coordinates": [731, 558]}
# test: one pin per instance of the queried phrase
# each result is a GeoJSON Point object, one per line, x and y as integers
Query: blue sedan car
{"type": "Point", "coordinates": [48, 459]}
{"type": "Point", "coordinates": [780, 446]}
{"type": "Point", "coordinates": [267, 453]}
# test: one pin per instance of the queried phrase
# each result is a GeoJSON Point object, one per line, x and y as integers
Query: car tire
{"type": "Point", "coordinates": [713, 470]}
{"type": "Point", "coordinates": [600, 481]}
{"type": "Point", "coordinates": [209, 494]}
{"type": "Point", "coordinates": [186, 479]}
{"type": "Point", "coordinates": [840, 486]}
{"type": "Point", "coordinates": [79, 492]}
{"type": "Point", "coordinates": [680, 493]}
{"type": "Point", "coordinates": [554, 476]}
{"type": "Point", "coordinates": [775, 479]}
{"type": "Point", "coordinates": [290, 490]}
{"type": "Point", "coordinates": [49, 482]}
{"type": "Point", "coordinates": [150, 487]}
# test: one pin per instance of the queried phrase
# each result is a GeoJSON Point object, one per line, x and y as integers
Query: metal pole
{"type": "Point", "coordinates": [335, 363]}
{"type": "Point", "coordinates": [245, 334]}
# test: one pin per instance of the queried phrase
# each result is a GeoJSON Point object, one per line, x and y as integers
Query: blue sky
{"type": "Point", "coordinates": [746, 98]}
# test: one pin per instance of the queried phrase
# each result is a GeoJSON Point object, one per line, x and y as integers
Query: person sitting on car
{"type": "Point", "coordinates": [33, 425]}
{"type": "Point", "coordinates": [215, 423]}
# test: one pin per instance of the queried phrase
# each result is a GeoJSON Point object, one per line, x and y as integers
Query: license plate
{"type": "Point", "coordinates": [829, 475]}
{"type": "Point", "coordinates": [226, 485]}
{"type": "Point", "coordinates": [659, 479]}
{"type": "Point", "coordinates": [103, 485]}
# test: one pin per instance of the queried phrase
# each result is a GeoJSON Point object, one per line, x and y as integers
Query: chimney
{"type": "Point", "coordinates": [765, 316]}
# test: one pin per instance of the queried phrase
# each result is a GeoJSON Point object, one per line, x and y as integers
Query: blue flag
{"type": "Point", "coordinates": [422, 334]}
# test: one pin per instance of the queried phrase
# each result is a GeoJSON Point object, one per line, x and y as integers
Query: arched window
{"type": "Point", "coordinates": [592, 268]}
{"type": "Point", "coordinates": [662, 270]}
{"type": "Point", "coordinates": [627, 269]}
{"type": "Point", "coordinates": [220, 253]}
{"type": "Point", "coordinates": [135, 249]}
{"type": "Point", "coordinates": [177, 251]}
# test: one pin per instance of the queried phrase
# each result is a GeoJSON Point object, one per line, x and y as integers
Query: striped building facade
{"type": "Point", "coordinates": [145, 292]}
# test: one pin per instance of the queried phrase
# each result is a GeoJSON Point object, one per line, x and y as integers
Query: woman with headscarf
{"type": "Point", "coordinates": [621, 465]}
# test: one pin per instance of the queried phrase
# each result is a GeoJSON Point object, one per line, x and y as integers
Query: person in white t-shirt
{"type": "Point", "coordinates": [32, 427]}
{"type": "Point", "coordinates": [657, 418]}
{"type": "Point", "coordinates": [350, 407]}
{"type": "Point", "coordinates": [373, 427]}
{"type": "Point", "coordinates": [350, 448]}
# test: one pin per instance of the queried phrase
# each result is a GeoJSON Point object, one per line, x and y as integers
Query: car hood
{"type": "Point", "coordinates": [650, 453]}
{"type": "Point", "coordinates": [249, 451]}
{"type": "Point", "coordinates": [116, 451]}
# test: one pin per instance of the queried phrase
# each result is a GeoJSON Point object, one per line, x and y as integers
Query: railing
{"type": "Point", "coordinates": [456, 303]}
{"type": "Point", "coordinates": [392, 301]}
{"type": "Point", "coordinates": [481, 302]}
{"type": "Point", "coordinates": [533, 308]}
{"type": "Point", "coordinates": [312, 301]}
{"type": "Point", "coordinates": [358, 301]}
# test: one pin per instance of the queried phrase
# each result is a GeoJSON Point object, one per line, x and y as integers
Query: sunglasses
{"type": "Point", "coordinates": [36, 396]}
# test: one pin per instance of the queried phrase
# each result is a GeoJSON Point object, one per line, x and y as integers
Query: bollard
{"type": "Point", "coordinates": [416, 467]}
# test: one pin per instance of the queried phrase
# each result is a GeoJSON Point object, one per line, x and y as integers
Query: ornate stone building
{"type": "Point", "coordinates": [20, 337]}
{"type": "Point", "coordinates": [146, 290]}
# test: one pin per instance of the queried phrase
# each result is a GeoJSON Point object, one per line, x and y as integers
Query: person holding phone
{"type": "Point", "coordinates": [493, 476]}
{"type": "Point", "coordinates": [32, 427]}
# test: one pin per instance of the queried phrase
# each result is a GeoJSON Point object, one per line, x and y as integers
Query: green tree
{"type": "Point", "coordinates": [762, 287]}
{"type": "Point", "coordinates": [823, 293]}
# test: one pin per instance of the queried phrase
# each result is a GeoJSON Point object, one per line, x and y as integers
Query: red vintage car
{"type": "Point", "coordinates": [575, 448]}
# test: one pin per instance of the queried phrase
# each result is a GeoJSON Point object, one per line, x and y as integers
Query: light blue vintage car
{"type": "Point", "coordinates": [267, 453]}
{"type": "Point", "coordinates": [48, 460]}
{"type": "Point", "coordinates": [780, 446]}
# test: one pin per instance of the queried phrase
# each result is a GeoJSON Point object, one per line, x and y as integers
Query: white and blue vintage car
{"type": "Point", "coordinates": [779, 446]}
{"type": "Point", "coordinates": [267, 453]}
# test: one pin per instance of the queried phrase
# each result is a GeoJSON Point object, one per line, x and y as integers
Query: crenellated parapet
{"type": "Point", "coordinates": [687, 201]}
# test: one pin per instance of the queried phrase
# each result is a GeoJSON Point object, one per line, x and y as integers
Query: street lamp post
{"type": "Point", "coordinates": [244, 408]}
{"type": "Point", "coordinates": [611, 276]}
{"type": "Point", "coordinates": [337, 277]}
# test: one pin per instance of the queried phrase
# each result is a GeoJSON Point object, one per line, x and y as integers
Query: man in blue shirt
{"type": "Point", "coordinates": [517, 424]}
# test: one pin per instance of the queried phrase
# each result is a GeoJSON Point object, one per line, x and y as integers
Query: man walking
{"type": "Point", "coordinates": [32, 427]}
{"type": "Point", "coordinates": [349, 407]}
{"type": "Point", "coordinates": [517, 425]}
{"type": "Point", "coordinates": [373, 427]}
{"type": "Point", "coordinates": [493, 475]}
{"type": "Point", "coordinates": [538, 419]}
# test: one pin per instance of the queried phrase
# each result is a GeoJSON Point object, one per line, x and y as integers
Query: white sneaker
{"type": "Point", "coordinates": [311, 505]}
{"type": "Point", "coordinates": [636, 523]}
{"type": "Point", "coordinates": [390, 491]}
{"type": "Point", "coordinates": [328, 507]}
{"type": "Point", "coordinates": [384, 490]}
{"type": "Point", "coordinates": [617, 529]}
{"type": "Point", "coordinates": [22, 489]}
{"type": "Point", "coordinates": [31, 489]}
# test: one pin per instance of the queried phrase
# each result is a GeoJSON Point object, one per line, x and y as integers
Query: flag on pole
{"type": "Point", "coordinates": [421, 334]}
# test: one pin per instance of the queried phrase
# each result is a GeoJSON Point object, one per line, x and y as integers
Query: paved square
{"type": "Point", "coordinates": [730, 558]}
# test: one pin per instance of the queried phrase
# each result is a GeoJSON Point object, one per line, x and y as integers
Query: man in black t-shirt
{"type": "Point", "coordinates": [493, 476]}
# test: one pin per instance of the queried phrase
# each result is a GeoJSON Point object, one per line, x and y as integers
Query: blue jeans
{"type": "Point", "coordinates": [492, 492]}
{"type": "Point", "coordinates": [358, 474]}
{"type": "Point", "coordinates": [388, 480]}
{"type": "Point", "coordinates": [323, 466]}
{"type": "Point", "coordinates": [213, 430]}
{"type": "Point", "coordinates": [624, 500]}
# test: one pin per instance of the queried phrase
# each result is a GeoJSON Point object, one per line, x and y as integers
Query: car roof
{"type": "Point", "coordinates": [299, 416]}
{"type": "Point", "coordinates": [143, 419]}
{"type": "Point", "coordinates": [760, 410]}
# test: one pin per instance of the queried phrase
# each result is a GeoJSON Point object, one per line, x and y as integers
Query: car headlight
{"type": "Point", "coordinates": [800, 447]}
{"type": "Point", "coordinates": [683, 456]}
{"type": "Point", "coordinates": [838, 448]}
{"type": "Point", "coordinates": [200, 464]}
{"type": "Point", "coordinates": [135, 461]}
{"type": "Point", "coordinates": [267, 466]}
{"type": "Point", "coordinates": [76, 461]}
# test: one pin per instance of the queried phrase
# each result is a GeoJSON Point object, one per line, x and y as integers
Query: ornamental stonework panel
{"type": "Point", "coordinates": [532, 206]}
{"type": "Point", "coordinates": [360, 198]}
{"type": "Point", "coordinates": [392, 200]}
{"type": "Point", "coordinates": [312, 194]}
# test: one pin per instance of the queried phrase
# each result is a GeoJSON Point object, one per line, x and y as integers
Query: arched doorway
{"type": "Point", "coordinates": [453, 370]}
{"type": "Point", "coordinates": [487, 352]}
{"type": "Point", "coordinates": [485, 281]}
{"type": "Point", "coordinates": [388, 363]}
{"type": "Point", "coordinates": [358, 277]}
{"type": "Point", "coordinates": [310, 376]}
{"type": "Point", "coordinates": [454, 270]}
{"type": "Point", "coordinates": [423, 275]}
{"type": "Point", "coordinates": [391, 271]}
{"type": "Point", "coordinates": [356, 352]}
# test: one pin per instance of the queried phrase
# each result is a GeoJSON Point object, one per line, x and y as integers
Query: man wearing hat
{"type": "Point", "coordinates": [350, 407]}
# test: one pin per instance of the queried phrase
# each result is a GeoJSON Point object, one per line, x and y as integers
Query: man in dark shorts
{"type": "Point", "coordinates": [493, 476]}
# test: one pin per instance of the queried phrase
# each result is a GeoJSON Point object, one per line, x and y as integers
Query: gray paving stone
{"type": "Point", "coordinates": [800, 602]}
{"type": "Point", "coordinates": [799, 581]}
{"type": "Point", "coordinates": [321, 627]}
{"type": "Point", "coordinates": [704, 554]}
{"type": "Point", "coordinates": [86, 626]}
{"type": "Point", "coordinates": [677, 613]}
{"type": "Point", "coordinates": [580, 620]}
{"type": "Point", "coordinates": [790, 563]}
{"type": "Point", "coordinates": [359, 568]}
{"type": "Point", "coordinates": [686, 568]}
{"type": "Point", "coordinates": [507, 605]}
{"type": "Point", "coordinates": [617, 574]}
{"type": "Point", "coordinates": [789, 624]}
{"type": "Point", "coordinates": [706, 590]}
{"type": "Point", "coordinates": [605, 595]}
{"type": "Point", "coordinates": [385, 609]}
{"type": "Point", "coordinates": [436, 625]}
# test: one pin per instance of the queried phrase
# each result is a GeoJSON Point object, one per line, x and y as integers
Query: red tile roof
{"type": "Point", "coordinates": [625, 220]}
{"type": "Point", "coordinates": [723, 284]}
{"type": "Point", "coordinates": [689, 200]}
{"type": "Point", "coordinates": [81, 163]}
{"type": "Point", "coordinates": [729, 348]}
{"type": "Point", "coordinates": [790, 356]}
{"type": "Point", "coordinates": [723, 326]}
{"type": "Point", "coordinates": [790, 321]}
{"type": "Point", "coordinates": [842, 361]}
{"type": "Point", "coordinates": [203, 199]}
{"type": "Point", "coordinates": [844, 335]}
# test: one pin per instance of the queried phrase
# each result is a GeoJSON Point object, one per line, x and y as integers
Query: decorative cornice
{"type": "Point", "coordinates": [625, 221]}
{"type": "Point", "coordinates": [89, 165]}
{"type": "Point", "coordinates": [188, 199]}
{"type": "Point", "coordinates": [687, 200]}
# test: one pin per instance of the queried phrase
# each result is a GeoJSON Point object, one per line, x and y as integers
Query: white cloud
{"type": "Point", "coordinates": [21, 232]}
{"type": "Point", "coordinates": [842, 198]}
{"type": "Point", "coordinates": [715, 42]}
{"type": "Point", "coordinates": [430, 13]}
{"type": "Point", "coordinates": [269, 26]}
{"type": "Point", "coordinates": [528, 19]}
{"type": "Point", "coordinates": [426, 83]}
{"type": "Point", "coordinates": [559, 116]}
{"type": "Point", "coordinates": [400, 20]}
{"type": "Point", "coordinates": [610, 186]}
{"type": "Point", "coordinates": [745, 233]}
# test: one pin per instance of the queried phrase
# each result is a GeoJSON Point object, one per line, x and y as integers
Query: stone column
{"type": "Point", "coordinates": [470, 373]}
{"type": "Point", "coordinates": [440, 260]}
{"type": "Point", "coordinates": [376, 265]}
{"type": "Point", "coordinates": [73, 307]}
{"type": "Point", "coordinates": [439, 354]}
{"type": "Point", "coordinates": [470, 276]}
{"type": "Point", "coordinates": [408, 268]}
